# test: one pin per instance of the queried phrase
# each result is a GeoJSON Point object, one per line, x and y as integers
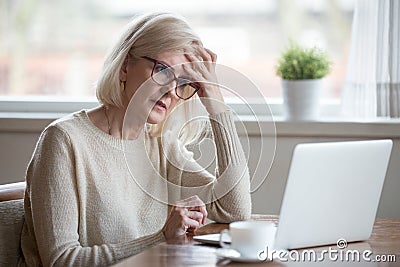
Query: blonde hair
{"type": "Point", "coordinates": [147, 35]}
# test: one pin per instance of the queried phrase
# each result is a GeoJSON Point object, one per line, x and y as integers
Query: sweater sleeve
{"type": "Point", "coordinates": [53, 209]}
{"type": "Point", "coordinates": [227, 194]}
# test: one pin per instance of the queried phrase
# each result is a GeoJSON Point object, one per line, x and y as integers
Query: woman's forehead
{"type": "Point", "coordinates": [172, 58]}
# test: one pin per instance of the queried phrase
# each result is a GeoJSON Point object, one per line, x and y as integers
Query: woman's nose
{"type": "Point", "coordinates": [165, 89]}
{"type": "Point", "coordinates": [169, 89]}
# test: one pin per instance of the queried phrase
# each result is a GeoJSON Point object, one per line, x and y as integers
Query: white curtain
{"type": "Point", "coordinates": [372, 85]}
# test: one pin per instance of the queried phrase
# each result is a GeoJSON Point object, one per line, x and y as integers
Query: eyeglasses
{"type": "Point", "coordinates": [162, 74]}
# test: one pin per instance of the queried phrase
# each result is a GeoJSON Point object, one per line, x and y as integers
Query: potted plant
{"type": "Point", "coordinates": [302, 70]}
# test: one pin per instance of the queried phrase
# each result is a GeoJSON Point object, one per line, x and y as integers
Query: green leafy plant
{"type": "Point", "coordinates": [299, 63]}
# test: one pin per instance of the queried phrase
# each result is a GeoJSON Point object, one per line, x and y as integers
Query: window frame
{"type": "Point", "coordinates": [330, 108]}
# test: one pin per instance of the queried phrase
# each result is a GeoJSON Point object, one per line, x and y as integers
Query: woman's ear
{"type": "Point", "coordinates": [123, 71]}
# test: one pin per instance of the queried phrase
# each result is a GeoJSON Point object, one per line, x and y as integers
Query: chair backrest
{"type": "Point", "coordinates": [11, 222]}
{"type": "Point", "coordinates": [12, 191]}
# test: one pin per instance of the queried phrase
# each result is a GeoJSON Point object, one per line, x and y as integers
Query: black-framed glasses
{"type": "Point", "coordinates": [162, 74]}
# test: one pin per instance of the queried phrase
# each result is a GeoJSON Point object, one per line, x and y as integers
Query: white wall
{"type": "Point", "coordinates": [16, 151]}
{"type": "Point", "coordinates": [18, 139]}
{"type": "Point", "coordinates": [269, 196]}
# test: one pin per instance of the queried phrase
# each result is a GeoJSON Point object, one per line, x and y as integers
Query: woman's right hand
{"type": "Point", "coordinates": [187, 215]}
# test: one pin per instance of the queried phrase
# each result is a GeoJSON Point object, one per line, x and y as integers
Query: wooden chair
{"type": "Point", "coordinates": [11, 222]}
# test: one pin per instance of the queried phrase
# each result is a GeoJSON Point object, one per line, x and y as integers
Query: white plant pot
{"type": "Point", "coordinates": [301, 99]}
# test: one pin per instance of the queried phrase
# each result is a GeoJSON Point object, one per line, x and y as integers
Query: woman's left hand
{"type": "Point", "coordinates": [202, 71]}
{"type": "Point", "coordinates": [187, 215]}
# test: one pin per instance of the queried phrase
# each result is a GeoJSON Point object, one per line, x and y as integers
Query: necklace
{"type": "Point", "coordinates": [108, 120]}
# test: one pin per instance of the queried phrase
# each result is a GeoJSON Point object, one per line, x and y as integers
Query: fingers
{"type": "Point", "coordinates": [196, 67]}
{"type": "Point", "coordinates": [195, 207]}
{"type": "Point", "coordinates": [195, 215]}
{"type": "Point", "coordinates": [207, 59]}
{"type": "Point", "coordinates": [204, 212]}
{"type": "Point", "coordinates": [190, 223]}
{"type": "Point", "coordinates": [188, 215]}
{"type": "Point", "coordinates": [206, 54]}
{"type": "Point", "coordinates": [212, 54]}
{"type": "Point", "coordinates": [195, 71]}
{"type": "Point", "coordinates": [203, 73]}
{"type": "Point", "coordinates": [199, 75]}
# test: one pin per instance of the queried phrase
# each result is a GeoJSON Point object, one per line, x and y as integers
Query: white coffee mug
{"type": "Point", "coordinates": [249, 237]}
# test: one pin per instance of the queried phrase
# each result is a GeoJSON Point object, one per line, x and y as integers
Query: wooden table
{"type": "Point", "coordinates": [184, 251]}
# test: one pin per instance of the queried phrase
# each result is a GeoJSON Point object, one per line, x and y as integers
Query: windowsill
{"type": "Point", "coordinates": [326, 127]}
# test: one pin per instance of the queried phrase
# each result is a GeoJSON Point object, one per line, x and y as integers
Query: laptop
{"type": "Point", "coordinates": [332, 192]}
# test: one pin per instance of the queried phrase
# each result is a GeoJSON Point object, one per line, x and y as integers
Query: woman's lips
{"type": "Point", "coordinates": [160, 105]}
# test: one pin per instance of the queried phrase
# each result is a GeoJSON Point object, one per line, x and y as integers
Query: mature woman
{"type": "Point", "coordinates": [94, 194]}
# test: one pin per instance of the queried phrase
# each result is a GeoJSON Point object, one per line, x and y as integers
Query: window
{"type": "Point", "coordinates": [56, 48]}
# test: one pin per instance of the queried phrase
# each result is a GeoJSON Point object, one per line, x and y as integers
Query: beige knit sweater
{"type": "Point", "coordinates": [83, 206]}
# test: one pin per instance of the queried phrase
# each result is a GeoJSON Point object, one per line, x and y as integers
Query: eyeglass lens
{"type": "Point", "coordinates": [163, 75]}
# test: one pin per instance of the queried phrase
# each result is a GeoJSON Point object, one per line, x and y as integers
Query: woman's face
{"type": "Point", "coordinates": [160, 100]}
